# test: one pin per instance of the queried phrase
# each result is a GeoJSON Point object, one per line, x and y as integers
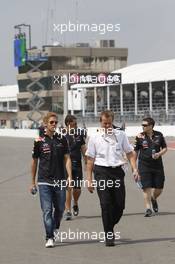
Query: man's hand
{"type": "Point", "coordinates": [160, 153]}
{"type": "Point", "coordinates": [31, 187]}
{"type": "Point", "coordinates": [90, 185]}
{"type": "Point", "coordinates": [132, 156]}
{"type": "Point", "coordinates": [156, 155]}
{"type": "Point", "coordinates": [34, 165]}
{"type": "Point", "coordinates": [136, 175]}
{"type": "Point", "coordinates": [90, 165]}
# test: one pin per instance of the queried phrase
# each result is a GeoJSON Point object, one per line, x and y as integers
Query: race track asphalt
{"type": "Point", "coordinates": [142, 240]}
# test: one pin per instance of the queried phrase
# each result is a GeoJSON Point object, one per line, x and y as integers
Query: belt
{"type": "Point", "coordinates": [112, 167]}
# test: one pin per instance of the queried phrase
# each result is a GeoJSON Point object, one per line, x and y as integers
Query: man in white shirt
{"type": "Point", "coordinates": [106, 156]}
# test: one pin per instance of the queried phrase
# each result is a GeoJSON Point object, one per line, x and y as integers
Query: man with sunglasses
{"type": "Point", "coordinates": [52, 152]}
{"type": "Point", "coordinates": [149, 147]}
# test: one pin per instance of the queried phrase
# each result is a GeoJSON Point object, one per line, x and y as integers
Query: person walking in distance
{"type": "Point", "coordinates": [77, 148]}
{"type": "Point", "coordinates": [149, 148]}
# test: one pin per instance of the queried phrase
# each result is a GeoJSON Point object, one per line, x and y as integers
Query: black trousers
{"type": "Point", "coordinates": [111, 193]}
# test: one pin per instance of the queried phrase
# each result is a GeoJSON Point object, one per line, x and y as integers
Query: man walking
{"type": "Point", "coordinates": [52, 152]}
{"type": "Point", "coordinates": [149, 147]}
{"type": "Point", "coordinates": [77, 148]}
{"type": "Point", "coordinates": [106, 156]}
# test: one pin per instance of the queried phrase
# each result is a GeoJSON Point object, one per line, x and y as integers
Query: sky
{"type": "Point", "coordinates": [147, 28]}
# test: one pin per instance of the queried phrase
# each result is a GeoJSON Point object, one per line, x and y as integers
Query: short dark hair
{"type": "Point", "coordinates": [69, 119]}
{"type": "Point", "coordinates": [107, 114]}
{"type": "Point", "coordinates": [150, 121]}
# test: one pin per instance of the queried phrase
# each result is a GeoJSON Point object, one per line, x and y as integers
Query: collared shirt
{"type": "Point", "coordinates": [50, 152]}
{"type": "Point", "coordinates": [144, 146]}
{"type": "Point", "coordinates": [109, 150]}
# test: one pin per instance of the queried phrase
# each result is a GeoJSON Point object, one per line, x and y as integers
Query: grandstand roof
{"type": "Point", "coordinates": [8, 92]}
{"type": "Point", "coordinates": [143, 73]}
{"type": "Point", "coordinates": [148, 72]}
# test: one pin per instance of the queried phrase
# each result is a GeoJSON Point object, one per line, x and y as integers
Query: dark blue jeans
{"type": "Point", "coordinates": [52, 201]}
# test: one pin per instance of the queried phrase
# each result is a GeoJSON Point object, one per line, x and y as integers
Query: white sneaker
{"type": "Point", "coordinates": [68, 216]}
{"type": "Point", "coordinates": [49, 243]}
{"type": "Point", "coordinates": [56, 234]}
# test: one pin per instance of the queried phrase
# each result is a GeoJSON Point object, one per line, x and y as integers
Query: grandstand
{"type": "Point", "coordinates": [147, 89]}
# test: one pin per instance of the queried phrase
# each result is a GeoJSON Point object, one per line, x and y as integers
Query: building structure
{"type": "Point", "coordinates": [80, 58]}
{"type": "Point", "coordinates": [8, 106]}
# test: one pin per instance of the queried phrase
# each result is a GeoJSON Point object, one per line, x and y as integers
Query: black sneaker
{"type": "Point", "coordinates": [148, 213]}
{"type": "Point", "coordinates": [154, 205]}
{"type": "Point", "coordinates": [110, 241]}
{"type": "Point", "coordinates": [75, 210]}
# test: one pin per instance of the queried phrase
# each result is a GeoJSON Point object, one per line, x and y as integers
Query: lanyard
{"type": "Point", "coordinates": [111, 142]}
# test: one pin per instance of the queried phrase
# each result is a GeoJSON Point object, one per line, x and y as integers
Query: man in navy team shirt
{"type": "Point", "coordinates": [52, 152]}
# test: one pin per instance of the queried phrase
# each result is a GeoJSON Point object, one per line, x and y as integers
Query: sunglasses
{"type": "Point", "coordinates": [53, 122]}
{"type": "Point", "coordinates": [145, 125]}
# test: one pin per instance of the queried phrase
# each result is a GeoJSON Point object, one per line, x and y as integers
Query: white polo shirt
{"type": "Point", "coordinates": [109, 150]}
